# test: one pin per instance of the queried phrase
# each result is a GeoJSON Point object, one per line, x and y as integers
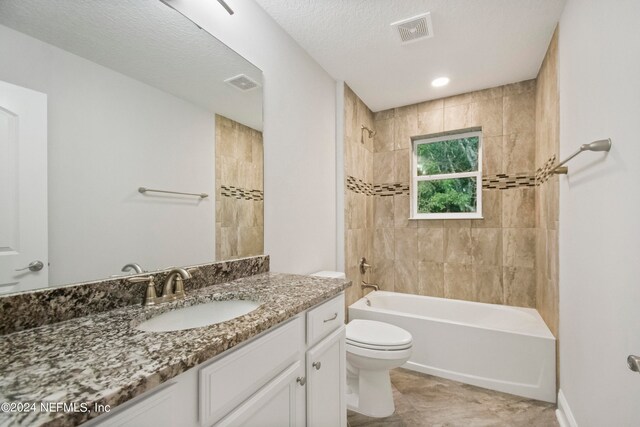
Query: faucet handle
{"type": "Point", "coordinates": [178, 288]}
{"type": "Point", "coordinates": [150, 297]}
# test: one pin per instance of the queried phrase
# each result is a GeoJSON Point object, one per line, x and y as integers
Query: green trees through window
{"type": "Point", "coordinates": [437, 190]}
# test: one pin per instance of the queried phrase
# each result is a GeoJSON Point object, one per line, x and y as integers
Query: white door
{"type": "Point", "coordinates": [326, 382]}
{"type": "Point", "coordinates": [23, 189]}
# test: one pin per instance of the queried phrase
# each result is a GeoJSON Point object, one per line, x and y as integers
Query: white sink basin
{"type": "Point", "coordinates": [197, 316]}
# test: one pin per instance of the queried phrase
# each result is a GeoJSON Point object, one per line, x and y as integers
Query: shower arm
{"type": "Point", "coordinates": [600, 145]}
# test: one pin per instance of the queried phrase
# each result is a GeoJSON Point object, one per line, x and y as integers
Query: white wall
{"type": "Point", "coordinates": [108, 135]}
{"type": "Point", "coordinates": [599, 60]}
{"type": "Point", "coordinates": [299, 134]}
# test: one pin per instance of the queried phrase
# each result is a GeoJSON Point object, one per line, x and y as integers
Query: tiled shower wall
{"type": "Point", "coordinates": [488, 260]}
{"type": "Point", "coordinates": [358, 150]}
{"type": "Point", "coordinates": [547, 192]}
{"type": "Point", "coordinates": [239, 190]}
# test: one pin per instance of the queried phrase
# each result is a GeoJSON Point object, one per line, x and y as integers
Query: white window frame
{"type": "Point", "coordinates": [415, 178]}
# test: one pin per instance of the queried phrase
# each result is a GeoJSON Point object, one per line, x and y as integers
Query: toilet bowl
{"type": "Point", "coordinates": [373, 348]}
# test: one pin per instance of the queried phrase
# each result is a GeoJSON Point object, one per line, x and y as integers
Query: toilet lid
{"type": "Point", "coordinates": [373, 334]}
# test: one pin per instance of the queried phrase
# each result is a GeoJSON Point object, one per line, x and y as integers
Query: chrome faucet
{"type": "Point", "coordinates": [173, 287]}
{"type": "Point", "coordinates": [133, 266]}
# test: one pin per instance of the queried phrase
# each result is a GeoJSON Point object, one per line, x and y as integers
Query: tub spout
{"type": "Point", "coordinates": [366, 285]}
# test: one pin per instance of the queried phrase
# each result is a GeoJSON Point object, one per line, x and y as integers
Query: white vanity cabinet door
{"type": "Point", "coordinates": [280, 403]}
{"type": "Point", "coordinates": [326, 382]}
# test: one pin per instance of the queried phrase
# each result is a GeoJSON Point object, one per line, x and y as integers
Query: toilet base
{"type": "Point", "coordinates": [369, 393]}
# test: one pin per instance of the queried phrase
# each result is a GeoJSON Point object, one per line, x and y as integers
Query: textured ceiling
{"type": "Point", "coordinates": [148, 41]}
{"type": "Point", "coordinates": [478, 44]}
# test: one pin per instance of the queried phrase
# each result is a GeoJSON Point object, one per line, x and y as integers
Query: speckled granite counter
{"type": "Point", "coordinates": [103, 359]}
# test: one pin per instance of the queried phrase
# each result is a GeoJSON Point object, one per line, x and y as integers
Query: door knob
{"type": "Point", "coordinates": [33, 266]}
{"type": "Point", "coordinates": [634, 363]}
{"type": "Point", "coordinates": [301, 380]}
{"type": "Point", "coordinates": [317, 365]}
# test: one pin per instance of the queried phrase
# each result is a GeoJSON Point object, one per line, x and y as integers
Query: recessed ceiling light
{"type": "Point", "coordinates": [440, 81]}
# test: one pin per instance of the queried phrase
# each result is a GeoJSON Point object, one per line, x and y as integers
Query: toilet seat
{"type": "Point", "coordinates": [376, 335]}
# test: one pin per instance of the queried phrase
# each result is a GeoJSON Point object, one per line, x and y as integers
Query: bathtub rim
{"type": "Point", "coordinates": [360, 304]}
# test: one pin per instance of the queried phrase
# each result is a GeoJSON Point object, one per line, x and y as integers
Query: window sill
{"type": "Point", "coordinates": [446, 216]}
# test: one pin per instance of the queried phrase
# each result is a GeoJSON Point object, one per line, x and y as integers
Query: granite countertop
{"type": "Point", "coordinates": [103, 359]}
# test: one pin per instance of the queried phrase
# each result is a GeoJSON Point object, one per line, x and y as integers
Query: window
{"type": "Point", "coordinates": [447, 176]}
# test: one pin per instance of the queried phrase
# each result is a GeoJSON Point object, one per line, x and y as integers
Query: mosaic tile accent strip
{"type": "Point", "coordinates": [503, 181]}
{"type": "Point", "coordinates": [242, 193]}
{"type": "Point", "coordinates": [359, 186]}
{"type": "Point", "coordinates": [543, 173]}
{"type": "Point", "coordinates": [390, 189]}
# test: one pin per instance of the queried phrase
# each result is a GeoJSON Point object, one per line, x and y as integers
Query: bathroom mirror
{"type": "Point", "coordinates": [99, 98]}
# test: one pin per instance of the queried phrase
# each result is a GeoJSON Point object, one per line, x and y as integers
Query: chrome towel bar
{"type": "Point", "coordinates": [145, 190]}
{"type": "Point", "coordinates": [600, 145]}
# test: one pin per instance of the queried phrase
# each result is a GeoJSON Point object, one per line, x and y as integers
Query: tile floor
{"type": "Point", "coordinates": [426, 401]}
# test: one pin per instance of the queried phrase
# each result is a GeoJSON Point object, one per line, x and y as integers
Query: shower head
{"type": "Point", "coordinates": [370, 132]}
{"type": "Point", "coordinates": [600, 145]}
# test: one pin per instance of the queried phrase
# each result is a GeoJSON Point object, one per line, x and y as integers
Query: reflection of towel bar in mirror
{"type": "Point", "coordinates": [145, 190]}
{"type": "Point", "coordinates": [600, 145]}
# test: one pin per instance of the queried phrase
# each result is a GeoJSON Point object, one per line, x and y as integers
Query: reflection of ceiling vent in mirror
{"type": "Point", "coordinates": [413, 29]}
{"type": "Point", "coordinates": [242, 82]}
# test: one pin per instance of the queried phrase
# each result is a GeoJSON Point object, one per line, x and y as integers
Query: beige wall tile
{"type": "Point", "coordinates": [518, 150]}
{"type": "Point", "coordinates": [431, 278]}
{"type": "Point", "coordinates": [402, 211]}
{"type": "Point", "coordinates": [491, 210]}
{"type": "Point", "coordinates": [385, 134]}
{"type": "Point", "coordinates": [406, 126]}
{"type": "Point", "coordinates": [430, 121]}
{"type": "Point", "coordinates": [402, 166]}
{"type": "Point", "coordinates": [526, 86]}
{"type": "Point", "coordinates": [519, 286]}
{"type": "Point", "coordinates": [458, 281]}
{"type": "Point", "coordinates": [385, 114]}
{"type": "Point", "coordinates": [436, 104]}
{"type": "Point", "coordinates": [457, 245]}
{"type": "Point", "coordinates": [228, 242]}
{"type": "Point", "coordinates": [383, 244]}
{"type": "Point", "coordinates": [518, 208]}
{"type": "Point", "coordinates": [492, 155]}
{"type": "Point", "coordinates": [519, 113]}
{"type": "Point", "coordinates": [384, 166]}
{"type": "Point", "coordinates": [486, 246]}
{"type": "Point", "coordinates": [383, 211]}
{"type": "Point", "coordinates": [457, 223]}
{"type": "Point", "coordinates": [384, 274]}
{"type": "Point", "coordinates": [490, 116]}
{"type": "Point", "coordinates": [406, 276]}
{"type": "Point", "coordinates": [431, 244]}
{"type": "Point", "coordinates": [430, 223]}
{"type": "Point", "coordinates": [406, 244]}
{"type": "Point", "coordinates": [461, 117]}
{"type": "Point", "coordinates": [518, 247]}
{"type": "Point", "coordinates": [487, 282]}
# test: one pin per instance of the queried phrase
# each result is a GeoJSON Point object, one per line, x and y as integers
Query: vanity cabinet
{"type": "Point", "coordinates": [292, 375]}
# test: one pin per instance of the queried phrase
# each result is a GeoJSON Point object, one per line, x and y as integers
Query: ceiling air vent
{"type": "Point", "coordinates": [242, 82]}
{"type": "Point", "coordinates": [414, 29]}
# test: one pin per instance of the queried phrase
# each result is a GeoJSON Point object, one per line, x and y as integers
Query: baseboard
{"type": "Point", "coordinates": [563, 413]}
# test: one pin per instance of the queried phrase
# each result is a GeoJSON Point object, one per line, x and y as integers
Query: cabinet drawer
{"type": "Point", "coordinates": [230, 380]}
{"type": "Point", "coordinates": [324, 319]}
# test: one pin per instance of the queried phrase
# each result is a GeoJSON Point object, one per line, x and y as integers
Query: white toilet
{"type": "Point", "coordinates": [373, 348]}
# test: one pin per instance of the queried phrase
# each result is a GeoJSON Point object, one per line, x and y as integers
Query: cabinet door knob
{"type": "Point", "coordinates": [634, 363]}
{"type": "Point", "coordinates": [317, 365]}
{"type": "Point", "coordinates": [301, 380]}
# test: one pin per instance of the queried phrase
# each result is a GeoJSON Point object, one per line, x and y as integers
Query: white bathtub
{"type": "Point", "coordinates": [509, 349]}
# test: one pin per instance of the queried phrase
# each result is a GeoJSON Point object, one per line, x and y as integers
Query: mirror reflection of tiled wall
{"type": "Point", "coordinates": [239, 190]}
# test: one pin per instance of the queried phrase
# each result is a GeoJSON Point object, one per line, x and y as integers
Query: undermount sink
{"type": "Point", "coordinates": [197, 316]}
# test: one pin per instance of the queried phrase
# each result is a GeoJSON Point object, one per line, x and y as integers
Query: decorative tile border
{"type": "Point", "coordinates": [501, 181]}
{"type": "Point", "coordinates": [242, 193]}
{"type": "Point", "coordinates": [543, 173]}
